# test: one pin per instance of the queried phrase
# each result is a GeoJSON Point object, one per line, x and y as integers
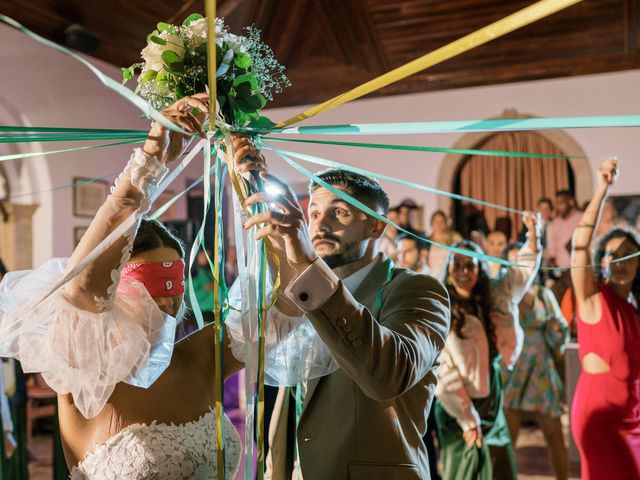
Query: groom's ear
{"type": "Point", "coordinates": [378, 229]}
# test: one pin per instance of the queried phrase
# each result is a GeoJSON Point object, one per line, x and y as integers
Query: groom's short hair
{"type": "Point", "coordinates": [365, 189]}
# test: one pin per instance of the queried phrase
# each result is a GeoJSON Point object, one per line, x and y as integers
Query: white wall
{"type": "Point", "coordinates": [51, 89]}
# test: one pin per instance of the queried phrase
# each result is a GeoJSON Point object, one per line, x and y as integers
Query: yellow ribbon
{"type": "Point", "coordinates": [497, 29]}
{"type": "Point", "coordinates": [210, 10]}
{"type": "Point", "coordinates": [242, 192]}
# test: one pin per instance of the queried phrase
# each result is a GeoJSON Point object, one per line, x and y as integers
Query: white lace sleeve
{"type": "Point", "coordinates": [294, 352]}
{"type": "Point", "coordinates": [52, 329]}
{"type": "Point", "coordinates": [144, 173]}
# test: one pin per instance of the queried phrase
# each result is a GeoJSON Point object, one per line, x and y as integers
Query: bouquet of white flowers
{"type": "Point", "coordinates": [175, 66]}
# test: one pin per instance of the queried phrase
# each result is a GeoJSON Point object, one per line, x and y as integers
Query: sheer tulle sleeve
{"type": "Point", "coordinates": [80, 352]}
{"type": "Point", "coordinates": [294, 352]}
{"type": "Point", "coordinates": [74, 321]}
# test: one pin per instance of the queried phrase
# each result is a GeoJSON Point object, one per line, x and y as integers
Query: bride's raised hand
{"type": "Point", "coordinates": [169, 144]}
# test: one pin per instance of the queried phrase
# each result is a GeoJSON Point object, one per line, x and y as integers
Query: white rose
{"type": "Point", "coordinates": [197, 29]}
{"type": "Point", "coordinates": [235, 42]}
{"type": "Point", "coordinates": [152, 53]}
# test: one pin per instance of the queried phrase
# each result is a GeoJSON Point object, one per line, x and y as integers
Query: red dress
{"type": "Point", "coordinates": [605, 416]}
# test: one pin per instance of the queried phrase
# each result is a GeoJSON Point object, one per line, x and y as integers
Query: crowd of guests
{"type": "Point", "coordinates": [482, 398]}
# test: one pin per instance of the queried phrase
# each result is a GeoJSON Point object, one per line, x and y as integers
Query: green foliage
{"type": "Point", "coordinates": [247, 73]}
{"type": "Point", "coordinates": [192, 18]}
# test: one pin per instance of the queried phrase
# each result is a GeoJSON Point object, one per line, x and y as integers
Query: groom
{"type": "Point", "coordinates": [384, 326]}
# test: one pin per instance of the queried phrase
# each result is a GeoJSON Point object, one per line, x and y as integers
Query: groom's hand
{"type": "Point", "coordinates": [284, 223]}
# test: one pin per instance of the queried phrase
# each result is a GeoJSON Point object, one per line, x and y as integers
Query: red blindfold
{"type": "Point", "coordinates": [161, 279]}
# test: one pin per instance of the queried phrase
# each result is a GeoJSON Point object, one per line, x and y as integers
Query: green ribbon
{"type": "Point", "coordinates": [496, 125]}
{"type": "Point", "coordinates": [331, 164]}
{"type": "Point", "coordinates": [364, 208]}
{"type": "Point", "coordinates": [361, 206]}
{"type": "Point", "coordinates": [167, 205]}
{"type": "Point", "coordinates": [66, 138]}
{"type": "Point", "coordinates": [16, 156]}
{"type": "Point", "coordinates": [65, 187]}
{"type": "Point", "coordinates": [413, 148]}
{"type": "Point", "coordinates": [6, 128]}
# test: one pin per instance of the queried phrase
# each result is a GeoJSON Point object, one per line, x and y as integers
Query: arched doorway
{"type": "Point", "coordinates": [514, 182]}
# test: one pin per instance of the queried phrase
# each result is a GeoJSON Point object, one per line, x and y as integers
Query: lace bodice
{"type": "Point", "coordinates": [164, 452]}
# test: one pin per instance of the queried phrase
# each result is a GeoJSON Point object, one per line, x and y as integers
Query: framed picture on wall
{"type": "Point", "coordinates": [88, 197]}
{"type": "Point", "coordinates": [78, 233]}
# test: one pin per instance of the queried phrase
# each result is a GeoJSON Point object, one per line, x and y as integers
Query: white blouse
{"type": "Point", "coordinates": [464, 370]}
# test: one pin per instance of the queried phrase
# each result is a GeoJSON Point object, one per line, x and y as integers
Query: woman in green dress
{"type": "Point", "coordinates": [536, 385]}
{"type": "Point", "coordinates": [485, 336]}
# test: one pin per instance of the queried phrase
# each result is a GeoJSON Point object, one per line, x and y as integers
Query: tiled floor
{"type": "Point", "coordinates": [531, 456]}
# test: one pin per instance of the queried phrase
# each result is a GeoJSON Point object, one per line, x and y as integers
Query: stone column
{"type": "Point", "coordinates": [16, 242]}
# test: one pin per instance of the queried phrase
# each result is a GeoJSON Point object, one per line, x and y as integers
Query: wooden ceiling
{"type": "Point", "coordinates": [330, 46]}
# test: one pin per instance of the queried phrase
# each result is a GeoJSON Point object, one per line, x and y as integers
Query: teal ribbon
{"type": "Point", "coordinates": [361, 206]}
{"type": "Point", "coordinates": [364, 208]}
{"type": "Point", "coordinates": [209, 153]}
{"type": "Point", "coordinates": [413, 148]}
{"type": "Point", "coordinates": [497, 125]}
{"type": "Point", "coordinates": [329, 163]}
{"type": "Point", "coordinates": [167, 205]}
{"type": "Point", "coordinates": [67, 137]}
{"type": "Point", "coordinates": [65, 187]}
{"type": "Point", "coordinates": [20, 128]}
{"type": "Point", "coordinates": [16, 156]}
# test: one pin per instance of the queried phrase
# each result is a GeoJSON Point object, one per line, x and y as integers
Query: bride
{"type": "Point", "coordinates": [110, 331]}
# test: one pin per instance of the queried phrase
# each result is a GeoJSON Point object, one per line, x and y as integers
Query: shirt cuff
{"type": "Point", "coordinates": [313, 287]}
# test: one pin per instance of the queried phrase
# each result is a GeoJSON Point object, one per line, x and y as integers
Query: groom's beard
{"type": "Point", "coordinates": [347, 254]}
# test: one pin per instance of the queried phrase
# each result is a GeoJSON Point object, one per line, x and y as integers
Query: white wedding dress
{"type": "Point", "coordinates": [86, 354]}
{"type": "Point", "coordinates": [163, 452]}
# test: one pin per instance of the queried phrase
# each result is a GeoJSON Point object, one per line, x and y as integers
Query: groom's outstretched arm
{"type": "Point", "coordinates": [385, 356]}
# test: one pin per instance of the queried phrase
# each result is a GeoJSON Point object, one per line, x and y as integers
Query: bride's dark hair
{"type": "Point", "coordinates": [153, 234]}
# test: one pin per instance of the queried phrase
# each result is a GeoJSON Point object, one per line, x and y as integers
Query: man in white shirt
{"type": "Point", "coordinates": [559, 233]}
{"type": "Point", "coordinates": [384, 327]}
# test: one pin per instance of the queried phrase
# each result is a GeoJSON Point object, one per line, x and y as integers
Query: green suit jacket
{"type": "Point", "coordinates": [366, 420]}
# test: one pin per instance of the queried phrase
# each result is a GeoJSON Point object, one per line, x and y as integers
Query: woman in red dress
{"type": "Point", "coordinates": [605, 416]}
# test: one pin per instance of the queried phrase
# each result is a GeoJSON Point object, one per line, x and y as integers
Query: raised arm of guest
{"type": "Point", "coordinates": [585, 286]}
{"type": "Point", "coordinates": [507, 292]}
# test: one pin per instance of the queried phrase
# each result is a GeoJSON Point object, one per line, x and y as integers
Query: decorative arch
{"type": "Point", "coordinates": [580, 164]}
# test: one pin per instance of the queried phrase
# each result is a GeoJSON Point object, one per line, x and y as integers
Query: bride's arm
{"type": "Point", "coordinates": [129, 196]}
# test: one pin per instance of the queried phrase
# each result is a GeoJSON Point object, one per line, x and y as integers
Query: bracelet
{"type": "Point", "coordinates": [586, 225]}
